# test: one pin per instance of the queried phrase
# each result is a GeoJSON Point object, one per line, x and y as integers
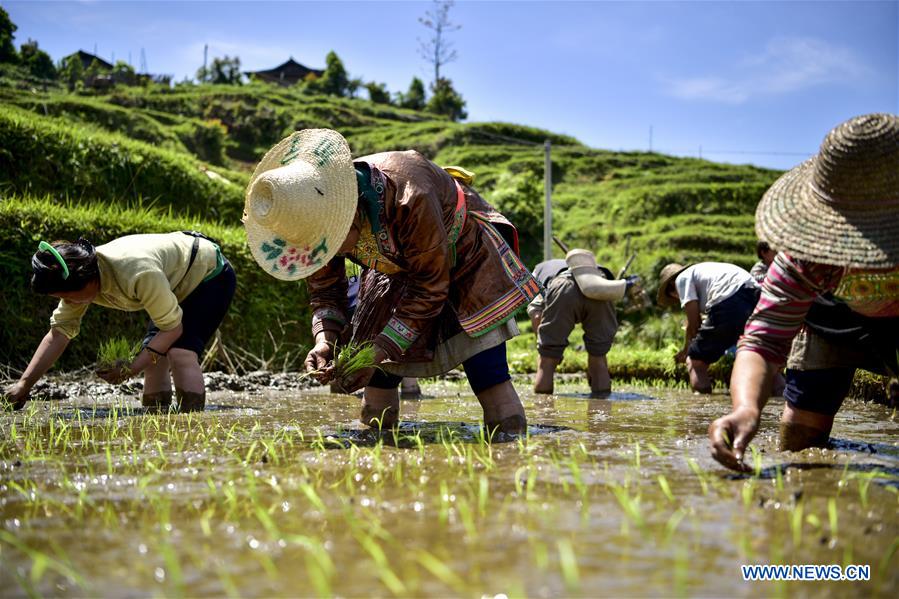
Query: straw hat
{"type": "Point", "coordinates": [590, 279]}
{"type": "Point", "coordinates": [668, 274]}
{"type": "Point", "coordinates": [840, 207]}
{"type": "Point", "coordinates": [300, 203]}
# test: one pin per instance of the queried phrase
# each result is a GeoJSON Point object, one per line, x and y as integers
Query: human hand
{"type": "Point", "coordinates": [632, 283]}
{"type": "Point", "coordinates": [361, 378]}
{"type": "Point", "coordinates": [318, 359]}
{"type": "Point", "coordinates": [117, 373]}
{"type": "Point", "coordinates": [14, 396]}
{"type": "Point", "coordinates": [680, 357]}
{"type": "Point", "coordinates": [730, 435]}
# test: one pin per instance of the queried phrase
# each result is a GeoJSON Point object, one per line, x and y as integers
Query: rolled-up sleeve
{"type": "Point", "coordinates": [67, 318]}
{"type": "Point", "coordinates": [154, 292]}
{"type": "Point", "coordinates": [788, 291]}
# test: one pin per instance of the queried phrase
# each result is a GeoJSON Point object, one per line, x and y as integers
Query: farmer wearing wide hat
{"type": "Point", "coordinates": [717, 298]}
{"type": "Point", "coordinates": [832, 291]}
{"type": "Point", "coordinates": [442, 280]}
{"type": "Point", "coordinates": [180, 279]}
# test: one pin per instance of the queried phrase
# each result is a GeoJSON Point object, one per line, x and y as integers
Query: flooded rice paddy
{"type": "Point", "coordinates": [279, 493]}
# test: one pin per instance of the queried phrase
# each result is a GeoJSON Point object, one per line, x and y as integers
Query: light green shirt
{"type": "Point", "coordinates": [143, 272]}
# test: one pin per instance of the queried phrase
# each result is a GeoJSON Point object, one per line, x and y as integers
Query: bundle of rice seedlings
{"type": "Point", "coordinates": [352, 358]}
{"type": "Point", "coordinates": [114, 350]}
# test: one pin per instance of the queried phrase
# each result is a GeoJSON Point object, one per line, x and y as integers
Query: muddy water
{"type": "Point", "coordinates": [278, 493]}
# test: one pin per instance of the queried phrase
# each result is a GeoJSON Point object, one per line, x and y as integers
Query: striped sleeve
{"type": "Point", "coordinates": [787, 294]}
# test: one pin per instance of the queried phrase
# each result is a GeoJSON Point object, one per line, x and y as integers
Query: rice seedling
{"type": "Point", "coordinates": [115, 351]}
{"type": "Point", "coordinates": [350, 359]}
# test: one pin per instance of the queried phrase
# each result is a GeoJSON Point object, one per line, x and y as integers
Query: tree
{"type": "Point", "coordinates": [415, 97]}
{"type": "Point", "coordinates": [38, 62]}
{"type": "Point", "coordinates": [446, 101]}
{"type": "Point", "coordinates": [377, 92]}
{"type": "Point", "coordinates": [222, 70]}
{"type": "Point", "coordinates": [334, 81]}
{"type": "Point", "coordinates": [520, 198]}
{"type": "Point", "coordinates": [124, 73]}
{"type": "Point", "coordinates": [93, 74]}
{"type": "Point", "coordinates": [71, 71]}
{"type": "Point", "coordinates": [438, 50]}
{"type": "Point", "coordinates": [7, 35]}
{"type": "Point", "coordinates": [353, 85]}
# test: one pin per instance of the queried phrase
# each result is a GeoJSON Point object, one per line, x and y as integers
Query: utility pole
{"type": "Point", "coordinates": [205, 55]}
{"type": "Point", "coordinates": [547, 206]}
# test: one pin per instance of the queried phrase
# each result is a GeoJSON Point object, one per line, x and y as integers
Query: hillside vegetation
{"type": "Point", "coordinates": [156, 159]}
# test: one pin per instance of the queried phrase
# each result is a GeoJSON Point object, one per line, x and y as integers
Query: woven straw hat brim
{"type": "Point", "coordinates": [301, 250]}
{"type": "Point", "coordinates": [792, 218]}
{"type": "Point", "coordinates": [661, 298]}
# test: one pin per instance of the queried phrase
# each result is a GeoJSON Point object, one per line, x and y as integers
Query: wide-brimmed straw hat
{"type": "Point", "coordinates": [841, 207]}
{"type": "Point", "coordinates": [668, 274]}
{"type": "Point", "coordinates": [300, 203]}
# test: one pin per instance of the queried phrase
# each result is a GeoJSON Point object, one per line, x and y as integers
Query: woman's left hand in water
{"type": "Point", "coordinates": [116, 374]}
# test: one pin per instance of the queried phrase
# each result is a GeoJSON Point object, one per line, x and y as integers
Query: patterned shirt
{"type": "Point", "coordinates": [793, 284]}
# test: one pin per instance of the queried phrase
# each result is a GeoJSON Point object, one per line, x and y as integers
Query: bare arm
{"type": "Point", "coordinates": [750, 387]}
{"type": "Point", "coordinates": [694, 319]}
{"type": "Point", "coordinates": [46, 354]}
{"type": "Point", "coordinates": [161, 342]}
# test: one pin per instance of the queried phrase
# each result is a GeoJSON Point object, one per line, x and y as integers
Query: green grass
{"type": "Point", "coordinates": [46, 155]}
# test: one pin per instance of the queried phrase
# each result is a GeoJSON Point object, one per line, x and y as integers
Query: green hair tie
{"type": "Point", "coordinates": [46, 246]}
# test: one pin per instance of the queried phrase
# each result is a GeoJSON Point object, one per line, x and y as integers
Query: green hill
{"type": "Point", "coordinates": [155, 158]}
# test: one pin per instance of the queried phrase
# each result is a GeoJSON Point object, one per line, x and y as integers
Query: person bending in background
{"type": "Point", "coordinates": [576, 290]}
{"type": "Point", "coordinates": [830, 302]}
{"type": "Point", "coordinates": [180, 279]}
{"type": "Point", "coordinates": [766, 257]}
{"type": "Point", "coordinates": [442, 280]}
{"type": "Point", "coordinates": [717, 298]}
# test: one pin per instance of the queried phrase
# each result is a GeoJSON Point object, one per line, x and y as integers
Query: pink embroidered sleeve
{"type": "Point", "coordinates": [787, 294]}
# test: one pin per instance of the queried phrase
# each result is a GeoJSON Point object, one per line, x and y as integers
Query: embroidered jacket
{"type": "Point", "coordinates": [792, 285]}
{"type": "Point", "coordinates": [419, 223]}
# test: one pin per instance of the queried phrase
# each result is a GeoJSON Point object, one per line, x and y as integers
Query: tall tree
{"type": "Point", "coordinates": [352, 86]}
{"type": "Point", "coordinates": [71, 71]}
{"type": "Point", "coordinates": [334, 81]}
{"type": "Point", "coordinates": [377, 92]}
{"type": "Point", "coordinates": [222, 70]}
{"type": "Point", "coordinates": [447, 101]}
{"type": "Point", "coordinates": [414, 98]}
{"type": "Point", "coordinates": [124, 73]}
{"type": "Point", "coordinates": [7, 35]}
{"type": "Point", "coordinates": [38, 62]}
{"type": "Point", "coordinates": [438, 50]}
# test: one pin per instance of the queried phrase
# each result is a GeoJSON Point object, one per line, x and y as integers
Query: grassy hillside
{"type": "Point", "coordinates": [163, 159]}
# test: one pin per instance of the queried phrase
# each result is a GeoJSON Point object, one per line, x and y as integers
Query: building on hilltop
{"type": "Point", "coordinates": [286, 74]}
{"type": "Point", "coordinates": [87, 59]}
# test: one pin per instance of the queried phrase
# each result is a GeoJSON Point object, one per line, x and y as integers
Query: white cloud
{"type": "Point", "coordinates": [785, 66]}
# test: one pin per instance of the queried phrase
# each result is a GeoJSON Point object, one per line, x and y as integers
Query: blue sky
{"type": "Point", "coordinates": [758, 82]}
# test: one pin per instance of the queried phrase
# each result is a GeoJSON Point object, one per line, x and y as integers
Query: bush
{"type": "Point", "coordinates": [42, 155]}
{"type": "Point", "coordinates": [262, 306]}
